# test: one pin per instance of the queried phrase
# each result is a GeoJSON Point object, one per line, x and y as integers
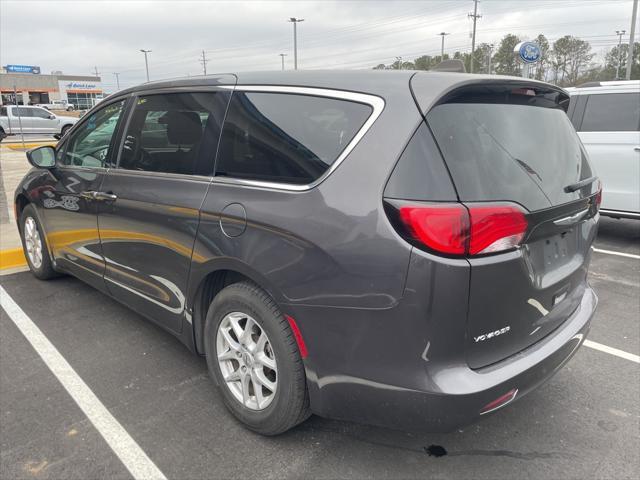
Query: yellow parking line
{"type": "Point", "coordinates": [12, 258]}
{"type": "Point", "coordinates": [19, 146]}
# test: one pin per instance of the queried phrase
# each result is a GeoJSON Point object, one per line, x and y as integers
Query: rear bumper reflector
{"type": "Point", "coordinates": [499, 402]}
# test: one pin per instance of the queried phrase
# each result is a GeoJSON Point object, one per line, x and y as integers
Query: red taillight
{"type": "Point", "coordinates": [457, 229]}
{"type": "Point", "coordinates": [443, 228]}
{"type": "Point", "coordinates": [599, 196]}
{"type": "Point", "coordinates": [496, 228]}
{"type": "Point", "coordinates": [499, 402]}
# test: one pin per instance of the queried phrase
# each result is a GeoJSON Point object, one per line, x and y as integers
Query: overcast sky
{"type": "Point", "coordinates": [76, 36]}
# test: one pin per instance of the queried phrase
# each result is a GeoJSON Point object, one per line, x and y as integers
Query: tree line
{"type": "Point", "coordinates": [566, 62]}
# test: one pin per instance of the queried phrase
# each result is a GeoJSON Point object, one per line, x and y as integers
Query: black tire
{"type": "Point", "coordinates": [2, 134]}
{"type": "Point", "coordinates": [45, 271]}
{"type": "Point", "coordinates": [64, 130]}
{"type": "Point", "coordinates": [290, 405]}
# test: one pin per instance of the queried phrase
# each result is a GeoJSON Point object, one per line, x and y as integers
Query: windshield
{"type": "Point", "coordinates": [515, 152]}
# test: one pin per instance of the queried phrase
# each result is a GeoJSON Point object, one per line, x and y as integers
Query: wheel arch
{"type": "Point", "coordinates": [208, 282]}
{"type": "Point", "coordinates": [19, 204]}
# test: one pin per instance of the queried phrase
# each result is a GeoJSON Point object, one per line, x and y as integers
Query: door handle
{"type": "Point", "coordinates": [637, 149]}
{"type": "Point", "coordinates": [105, 196]}
{"type": "Point", "coordinates": [89, 195]}
{"type": "Point", "coordinates": [99, 196]}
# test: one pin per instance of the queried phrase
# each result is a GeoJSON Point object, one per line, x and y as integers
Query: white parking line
{"type": "Point", "coordinates": [612, 351]}
{"type": "Point", "coordinates": [125, 447]}
{"type": "Point", "coordinates": [620, 254]}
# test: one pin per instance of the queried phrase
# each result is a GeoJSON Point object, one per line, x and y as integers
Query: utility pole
{"type": "Point", "coordinates": [475, 15]}
{"type": "Point", "coordinates": [634, 17]}
{"type": "Point", "coordinates": [95, 70]}
{"type": "Point", "coordinates": [619, 33]}
{"type": "Point", "coordinates": [204, 61]}
{"type": "Point", "coordinates": [442, 34]}
{"type": "Point", "coordinates": [282, 55]}
{"type": "Point", "coordinates": [117, 79]}
{"type": "Point", "coordinates": [295, 22]}
{"type": "Point", "coordinates": [146, 61]}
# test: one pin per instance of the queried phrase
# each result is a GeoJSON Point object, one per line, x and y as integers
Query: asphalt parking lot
{"type": "Point", "coordinates": [584, 423]}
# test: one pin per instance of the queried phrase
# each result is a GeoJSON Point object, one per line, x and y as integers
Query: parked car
{"type": "Point", "coordinates": [607, 118]}
{"type": "Point", "coordinates": [58, 105]}
{"type": "Point", "coordinates": [396, 248]}
{"type": "Point", "coordinates": [32, 120]}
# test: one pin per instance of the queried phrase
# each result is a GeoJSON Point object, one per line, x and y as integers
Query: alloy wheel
{"type": "Point", "coordinates": [33, 242]}
{"type": "Point", "coordinates": [247, 361]}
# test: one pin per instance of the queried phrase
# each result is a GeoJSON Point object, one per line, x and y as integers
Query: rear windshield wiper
{"type": "Point", "coordinates": [578, 185]}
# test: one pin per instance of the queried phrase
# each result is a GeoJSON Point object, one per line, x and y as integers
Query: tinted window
{"type": "Point", "coordinates": [285, 137]}
{"type": "Point", "coordinates": [612, 112]}
{"type": "Point", "coordinates": [21, 111]}
{"type": "Point", "coordinates": [3, 111]}
{"type": "Point", "coordinates": [41, 113]}
{"type": "Point", "coordinates": [510, 152]}
{"type": "Point", "coordinates": [91, 144]}
{"type": "Point", "coordinates": [174, 133]}
{"type": "Point", "coordinates": [420, 173]}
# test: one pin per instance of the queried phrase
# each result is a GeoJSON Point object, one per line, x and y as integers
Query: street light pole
{"type": "Point", "coordinates": [634, 16]}
{"type": "Point", "coordinates": [146, 61]}
{"type": "Point", "coordinates": [295, 22]}
{"type": "Point", "coordinates": [620, 33]}
{"type": "Point", "coordinates": [442, 34]}
{"type": "Point", "coordinates": [117, 79]}
{"type": "Point", "coordinates": [282, 55]}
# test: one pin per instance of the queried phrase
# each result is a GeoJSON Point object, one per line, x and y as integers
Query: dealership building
{"type": "Point", "coordinates": [27, 85]}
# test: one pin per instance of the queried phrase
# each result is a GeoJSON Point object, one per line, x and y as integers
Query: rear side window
{"type": "Point", "coordinates": [286, 138]}
{"type": "Point", "coordinates": [420, 173]}
{"type": "Point", "coordinates": [21, 111]}
{"type": "Point", "coordinates": [511, 152]}
{"type": "Point", "coordinates": [612, 112]}
{"type": "Point", "coordinates": [174, 133]}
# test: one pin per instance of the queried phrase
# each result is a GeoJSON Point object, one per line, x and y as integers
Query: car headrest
{"type": "Point", "coordinates": [183, 128]}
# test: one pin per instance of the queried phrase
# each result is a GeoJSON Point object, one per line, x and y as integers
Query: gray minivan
{"type": "Point", "coordinates": [397, 248]}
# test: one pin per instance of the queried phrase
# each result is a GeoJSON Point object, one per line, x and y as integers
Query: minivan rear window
{"type": "Point", "coordinates": [286, 138]}
{"type": "Point", "coordinates": [510, 151]}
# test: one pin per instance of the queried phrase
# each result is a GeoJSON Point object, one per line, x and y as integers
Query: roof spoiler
{"type": "Point", "coordinates": [454, 65]}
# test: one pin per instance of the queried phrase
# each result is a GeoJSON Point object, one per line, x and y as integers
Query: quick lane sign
{"type": "Point", "coordinates": [23, 69]}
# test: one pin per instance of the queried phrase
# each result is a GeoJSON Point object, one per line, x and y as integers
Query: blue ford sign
{"type": "Point", "coordinates": [23, 69]}
{"type": "Point", "coordinates": [529, 52]}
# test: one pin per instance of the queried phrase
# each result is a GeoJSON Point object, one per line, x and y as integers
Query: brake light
{"type": "Point", "coordinates": [443, 228]}
{"type": "Point", "coordinates": [599, 195]}
{"type": "Point", "coordinates": [458, 229]}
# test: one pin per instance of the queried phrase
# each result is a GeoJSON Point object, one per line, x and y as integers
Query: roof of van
{"type": "Point", "coordinates": [368, 81]}
{"type": "Point", "coordinates": [606, 87]}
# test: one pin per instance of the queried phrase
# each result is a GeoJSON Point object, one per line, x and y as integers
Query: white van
{"type": "Point", "coordinates": [607, 118]}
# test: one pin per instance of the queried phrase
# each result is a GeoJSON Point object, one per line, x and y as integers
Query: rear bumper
{"type": "Point", "coordinates": [452, 394]}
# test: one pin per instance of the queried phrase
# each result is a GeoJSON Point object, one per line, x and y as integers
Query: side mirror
{"type": "Point", "coordinates": [42, 157]}
{"type": "Point", "coordinates": [52, 117]}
